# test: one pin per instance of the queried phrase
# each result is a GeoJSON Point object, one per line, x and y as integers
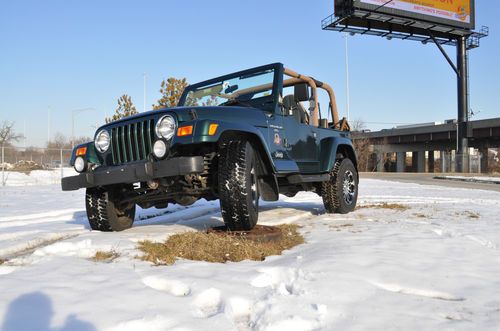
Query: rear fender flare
{"type": "Point", "coordinates": [332, 146]}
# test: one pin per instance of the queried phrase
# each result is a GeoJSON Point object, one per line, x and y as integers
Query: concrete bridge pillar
{"type": "Point", "coordinates": [430, 163]}
{"type": "Point", "coordinates": [418, 161]}
{"type": "Point", "coordinates": [414, 161]}
{"type": "Point", "coordinates": [400, 161]}
{"type": "Point", "coordinates": [380, 162]}
{"type": "Point", "coordinates": [443, 160]}
{"type": "Point", "coordinates": [453, 156]}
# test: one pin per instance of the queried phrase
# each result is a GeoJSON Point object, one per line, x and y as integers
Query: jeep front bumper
{"type": "Point", "coordinates": [134, 172]}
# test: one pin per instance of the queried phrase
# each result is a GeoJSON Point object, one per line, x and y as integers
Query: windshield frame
{"type": "Point", "coordinates": [274, 97]}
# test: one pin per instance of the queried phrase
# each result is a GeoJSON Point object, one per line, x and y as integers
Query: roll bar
{"type": "Point", "coordinates": [314, 84]}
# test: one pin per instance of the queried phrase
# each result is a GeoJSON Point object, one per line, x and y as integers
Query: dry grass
{"type": "Point", "coordinates": [419, 215]}
{"type": "Point", "coordinates": [212, 247]}
{"type": "Point", "coordinates": [105, 256]}
{"type": "Point", "coordinates": [393, 206]}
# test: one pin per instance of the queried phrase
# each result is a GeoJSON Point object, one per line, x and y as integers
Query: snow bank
{"type": "Point", "coordinates": [37, 177]}
{"type": "Point", "coordinates": [432, 266]}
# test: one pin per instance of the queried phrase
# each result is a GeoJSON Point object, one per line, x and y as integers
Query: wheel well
{"type": "Point", "coordinates": [347, 152]}
{"type": "Point", "coordinates": [256, 144]}
{"type": "Point", "coordinates": [268, 182]}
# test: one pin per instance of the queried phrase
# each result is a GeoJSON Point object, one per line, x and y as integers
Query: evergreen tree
{"type": "Point", "coordinates": [125, 108]}
{"type": "Point", "coordinates": [171, 91]}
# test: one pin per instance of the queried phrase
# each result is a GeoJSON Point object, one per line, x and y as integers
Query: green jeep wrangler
{"type": "Point", "coordinates": [237, 138]}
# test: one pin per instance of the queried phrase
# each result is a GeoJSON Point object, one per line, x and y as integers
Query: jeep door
{"type": "Point", "coordinates": [301, 144]}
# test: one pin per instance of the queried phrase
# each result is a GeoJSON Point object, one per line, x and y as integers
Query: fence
{"type": "Point", "coordinates": [23, 160]}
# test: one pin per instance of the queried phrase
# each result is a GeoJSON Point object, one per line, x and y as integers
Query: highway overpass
{"type": "Point", "coordinates": [389, 147]}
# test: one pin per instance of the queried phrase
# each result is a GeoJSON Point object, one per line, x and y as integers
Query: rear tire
{"type": "Point", "coordinates": [340, 193]}
{"type": "Point", "coordinates": [105, 213]}
{"type": "Point", "coordinates": [238, 185]}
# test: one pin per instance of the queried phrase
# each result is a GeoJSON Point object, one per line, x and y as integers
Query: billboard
{"type": "Point", "coordinates": [453, 13]}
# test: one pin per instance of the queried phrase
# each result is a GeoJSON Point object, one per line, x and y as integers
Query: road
{"type": "Point", "coordinates": [428, 179]}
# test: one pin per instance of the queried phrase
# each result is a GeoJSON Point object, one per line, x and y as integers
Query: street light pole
{"type": "Point", "coordinates": [144, 105]}
{"type": "Point", "coordinates": [48, 125]}
{"type": "Point", "coordinates": [348, 97]}
{"type": "Point", "coordinates": [73, 113]}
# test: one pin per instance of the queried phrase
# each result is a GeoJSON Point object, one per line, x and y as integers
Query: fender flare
{"type": "Point", "coordinates": [268, 183]}
{"type": "Point", "coordinates": [330, 147]}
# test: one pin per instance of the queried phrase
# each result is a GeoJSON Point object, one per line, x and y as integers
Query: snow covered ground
{"type": "Point", "coordinates": [434, 266]}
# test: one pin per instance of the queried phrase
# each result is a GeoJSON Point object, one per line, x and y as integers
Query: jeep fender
{"type": "Point", "coordinates": [90, 154]}
{"type": "Point", "coordinates": [268, 182]}
{"type": "Point", "coordinates": [332, 146]}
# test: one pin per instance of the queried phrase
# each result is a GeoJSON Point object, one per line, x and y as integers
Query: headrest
{"type": "Point", "coordinates": [301, 92]}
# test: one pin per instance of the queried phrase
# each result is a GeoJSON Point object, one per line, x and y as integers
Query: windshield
{"type": "Point", "coordinates": [250, 90]}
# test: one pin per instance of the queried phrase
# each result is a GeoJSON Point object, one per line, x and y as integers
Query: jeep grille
{"type": "Point", "coordinates": [132, 142]}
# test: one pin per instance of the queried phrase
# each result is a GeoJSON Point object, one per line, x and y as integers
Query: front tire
{"type": "Point", "coordinates": [340, 193]}
{"type": "Point", "coordinates": [105, 213]}
{"type": "Point", "coordinates": [238, 186]}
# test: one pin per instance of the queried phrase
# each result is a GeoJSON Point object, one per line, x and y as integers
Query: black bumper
{"type": "Point", "coordinates": [134, 172]}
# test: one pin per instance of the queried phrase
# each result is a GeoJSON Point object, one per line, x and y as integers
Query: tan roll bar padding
{"type": "Point", "coordinates": [312, 84]}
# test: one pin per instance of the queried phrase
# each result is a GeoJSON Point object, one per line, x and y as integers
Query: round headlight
{"type": "Point", "coordinates": [165, 128]}
{"type": "Point", "coordinates": [102, 141]}
{"type": "Point", "coordinates": [80, 164]}
{"type": "Point", "coordinates": [159, 149]}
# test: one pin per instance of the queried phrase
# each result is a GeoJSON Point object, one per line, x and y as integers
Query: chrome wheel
{"type": "Point", "coordinates": [349, 187]}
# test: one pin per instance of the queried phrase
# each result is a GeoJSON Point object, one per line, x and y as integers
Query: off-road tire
{"type": "Point", "coordinates": [238, 185]}
{"type": "Point", "coordinates": [105, 213]}
{"type": "Point", "coordinates": [338, 198]}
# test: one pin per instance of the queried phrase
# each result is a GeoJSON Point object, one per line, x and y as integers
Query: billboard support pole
{"type": "Point", "coordinates": [463, 112]}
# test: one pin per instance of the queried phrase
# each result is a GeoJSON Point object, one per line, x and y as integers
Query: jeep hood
{"type": "Point", "coordinates": [227, 114]}
{"type": "Point", "coordinates": [247, 115]}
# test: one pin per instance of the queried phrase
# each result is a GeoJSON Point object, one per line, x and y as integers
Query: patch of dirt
{"type": "Point", "coordinates": [472, 215]}
{"type": "Point", "coordinates": [219, 247]}
{"type": "Point", "coordinates": [394, 206]}
{"type": "Point", "coordinates": [419, 215]}
{"type": "Point", "coordinates": [26, 166]}
{"type": "Point", "coordinates": [340, 227]}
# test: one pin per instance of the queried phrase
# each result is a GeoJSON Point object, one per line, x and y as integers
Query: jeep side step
{"type": "Point", "coordinates": [297, 178]}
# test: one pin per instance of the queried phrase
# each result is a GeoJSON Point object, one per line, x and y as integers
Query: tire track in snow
{"type": "Point", "coordinates": [28, 247]}
{"type": "Point", "coordinates": [38, 218]}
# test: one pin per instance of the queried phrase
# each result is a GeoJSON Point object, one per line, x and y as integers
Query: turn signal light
{"type": "Point", "coordinates": [185, 131]}
{"type": "Point", "coordinates": [212, 129]}
{"type": "Point", "coordinates": [81, 151]}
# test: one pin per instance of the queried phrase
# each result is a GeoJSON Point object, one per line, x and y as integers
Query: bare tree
{"type": "Point", "coordinates": [7, 134]}
{"type": "Point", "coordinates": [361, 145]}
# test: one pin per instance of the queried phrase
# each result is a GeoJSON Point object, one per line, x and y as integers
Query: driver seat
{"type": "Point", "coordinates": [298, 110]}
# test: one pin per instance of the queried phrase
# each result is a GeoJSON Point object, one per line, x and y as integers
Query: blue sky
{"type": "Point", "coordinates": [66, 55]}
